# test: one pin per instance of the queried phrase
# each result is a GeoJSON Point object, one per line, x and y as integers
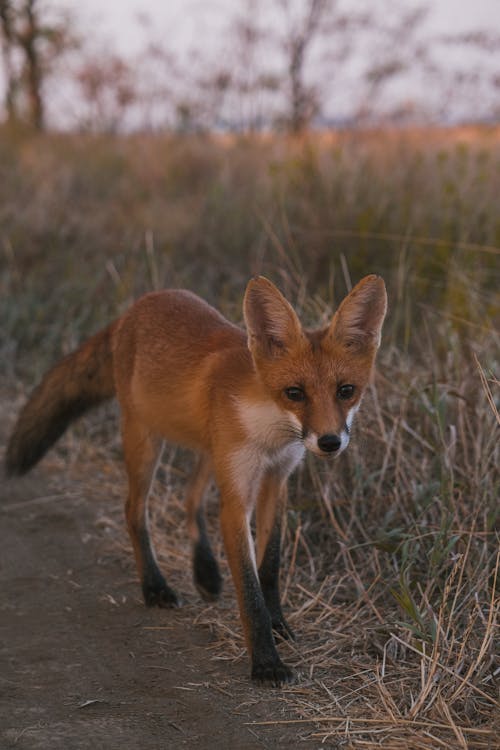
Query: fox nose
{"type": "Point", "coordinates": [329, 443]}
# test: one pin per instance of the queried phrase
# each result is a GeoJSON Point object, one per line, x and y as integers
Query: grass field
{"type": "Point", "coordinates": [392, 558]}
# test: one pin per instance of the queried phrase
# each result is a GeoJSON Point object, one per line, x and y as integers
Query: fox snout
{"type": "Point", "coordinates": [327, 444]}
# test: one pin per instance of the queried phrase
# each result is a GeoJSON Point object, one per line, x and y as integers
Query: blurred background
{"type": "Point", "coordinates": [247, 66]}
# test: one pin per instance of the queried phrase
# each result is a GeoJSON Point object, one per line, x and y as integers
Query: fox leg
{"type": "Point", "coordinates": [271, 504]}
{"type": "Point", "coordinates": [206, 574]}
{"type": "Point", "coordinates": [256, 620]}
{"type": "Point", "coordinates": [142, 452]}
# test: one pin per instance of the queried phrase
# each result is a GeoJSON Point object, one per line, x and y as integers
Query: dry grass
{"type": "Point", "coordinates": [390, 583]}
{"type": "Point", "coordinates": [390, 576]}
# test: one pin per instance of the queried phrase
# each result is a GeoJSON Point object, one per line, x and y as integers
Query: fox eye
{"type": "Point", "coordinates": [294, 393]}
{"type": "Point", "coordinates": [345, 392]}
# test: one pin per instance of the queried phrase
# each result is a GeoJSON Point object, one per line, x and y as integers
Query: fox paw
{"type": "Point", "coordinates": [273, 675]}
{"type": "Point", "coordinates": [161, 596]}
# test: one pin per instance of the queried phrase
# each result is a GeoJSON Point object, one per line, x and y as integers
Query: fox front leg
{"type": "Point", "coordinates": [267, 666]}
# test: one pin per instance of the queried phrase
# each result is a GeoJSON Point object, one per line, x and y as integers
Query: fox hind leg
{"type": "Point", "coordinates": [142, 451]}
{"type": "Point", "coordinates": [206, 575]}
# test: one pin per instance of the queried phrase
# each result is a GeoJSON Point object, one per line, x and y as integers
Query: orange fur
{"type": "Point", "coordinates": [247, 403]}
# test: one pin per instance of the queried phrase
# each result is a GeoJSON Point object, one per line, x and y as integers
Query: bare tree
{"type": "Point", "coordinates": [32, 40]}
{"type": "Point", "coordinates": [231, 91]}
{"type": "Point", "coordinates": [108, 89]}
{"type": "Point", "coordinates": [308, 41]}
{"type": "Point", "coordinates": [28, 37]}
{"type": "Point", "coordinates": [300, 32]}
{"type": "Point", "coordinates": [258, 78]}
{"type": "Point", "coordinates": [8, 51]}
{"type": "Point", "coordinates": [399, 48]}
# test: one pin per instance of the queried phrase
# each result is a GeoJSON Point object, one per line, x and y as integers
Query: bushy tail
{"type": "Point", "coordinates": [78, 382]}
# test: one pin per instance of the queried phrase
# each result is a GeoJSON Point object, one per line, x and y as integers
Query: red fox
{"type": "Point", "coordinates": [247, 403]}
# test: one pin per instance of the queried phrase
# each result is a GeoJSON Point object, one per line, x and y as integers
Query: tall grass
{"type": "Point", "coordinates": [394, 553]}
{"type": "Point", "coordinates": [97, 221]}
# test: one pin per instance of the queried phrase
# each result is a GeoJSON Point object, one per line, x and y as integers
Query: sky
{"type": "Point", "coordinates": [181, 20]}
{"type": "Point", "coordinates": [190, 27]}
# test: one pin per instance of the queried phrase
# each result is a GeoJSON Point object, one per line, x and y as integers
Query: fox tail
{"type": "Point", "coordinates": [74, 385]}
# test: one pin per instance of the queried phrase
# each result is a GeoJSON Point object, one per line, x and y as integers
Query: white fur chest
{"type": "Point", "coordinates": [272, 443]}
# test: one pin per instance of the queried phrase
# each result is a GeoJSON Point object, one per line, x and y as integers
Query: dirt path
{"type": "Point", "coordinates": [85, 665]}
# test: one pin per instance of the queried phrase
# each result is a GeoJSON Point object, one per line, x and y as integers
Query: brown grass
{"type": "Point", "coordinates": [390, 576]}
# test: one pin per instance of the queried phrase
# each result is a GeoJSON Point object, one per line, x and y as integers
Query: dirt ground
{"type": "Point", "coordinates": [85, 665]}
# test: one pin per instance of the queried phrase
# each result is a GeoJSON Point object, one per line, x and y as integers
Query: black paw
{"type": "Point", "coordinates": [283, 629]}
{"type": "Point", "coordinates": [273, 675]}
{"type": "Point", "coordinates": [207, 578]}
{"type": "Point", "coordinates": [160, 596]}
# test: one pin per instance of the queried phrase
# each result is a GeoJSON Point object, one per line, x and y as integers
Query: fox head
{"type": "Point", "coordinates": [315, 377]}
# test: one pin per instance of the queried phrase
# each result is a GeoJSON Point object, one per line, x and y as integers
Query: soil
{"type": "Point", "coordinates": [85, 665]}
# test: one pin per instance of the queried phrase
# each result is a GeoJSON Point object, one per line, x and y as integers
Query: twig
{"type": "Point", "coordinates": [360, 719]}
{"type": "Point", "coordinates": [65, 496]}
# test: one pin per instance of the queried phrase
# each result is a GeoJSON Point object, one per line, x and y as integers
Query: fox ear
{"type": "Point", "coordinates": [358, 321]}
{"type": "Point", "coordinates": [271, 322]}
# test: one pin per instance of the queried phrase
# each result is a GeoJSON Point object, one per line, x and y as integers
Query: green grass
{"type": "Point", "coordinates": [404, 532]}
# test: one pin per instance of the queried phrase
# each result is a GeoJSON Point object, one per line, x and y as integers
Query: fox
{"type": "Point", "coordinates": [249, 402]}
